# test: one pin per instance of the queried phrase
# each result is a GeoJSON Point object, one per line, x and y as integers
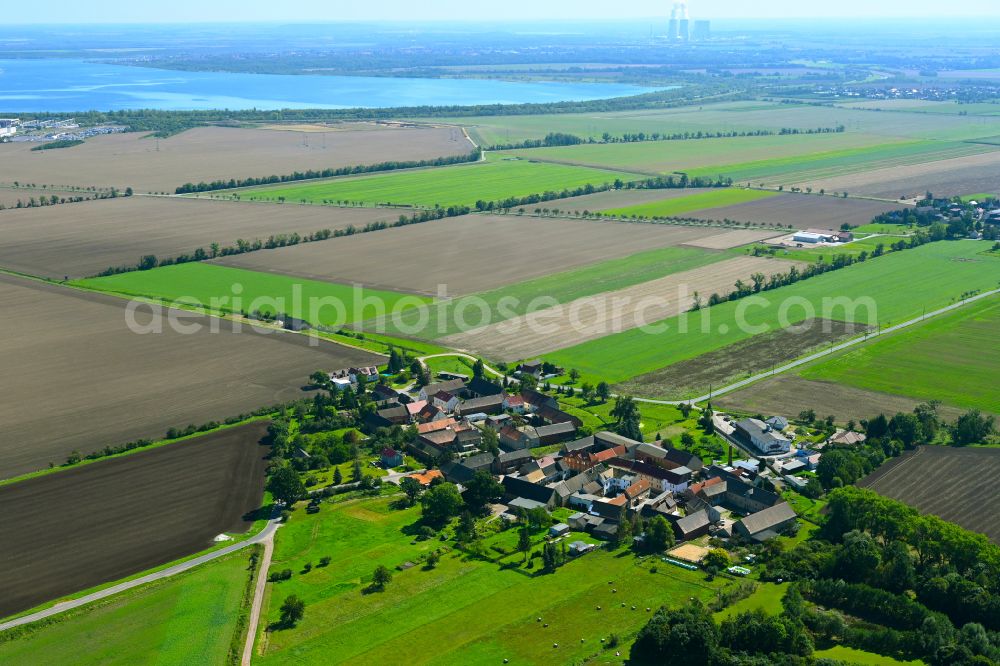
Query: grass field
{"type": "Point", "coordinates": [562, 287]}
{"type": "Point", "coordinates": [861, 658]}
{"type": "Point", "coordinates": [953, 358]}
{"type": "Point", "coordinates": [493, 180]}
{"type": "Point", "coordinates": [766, 597]}
{"type": "Point", "coordinates": [224, 289]}
{"type": "Point", "coordinates": [187, 619]}
{"type": "Point", "coordinates": [702, 201]}
{"type": "Point", "coordinates": [900, 285]}
{"type": "Point", "coordinates": [469, 609]}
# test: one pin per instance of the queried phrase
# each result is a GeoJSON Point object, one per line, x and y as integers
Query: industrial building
{"type": "Point", "coordinates": [679, 28]}
{"type": "Point", "coordinates": [8, 126]}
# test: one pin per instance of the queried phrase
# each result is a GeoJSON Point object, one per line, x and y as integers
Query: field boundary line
{"type": "Point", "coordinates": [265, 534]}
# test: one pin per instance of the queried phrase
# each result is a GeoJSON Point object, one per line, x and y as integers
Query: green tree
{"type": "Point", "coordinates": [574, 375]}
{"type": "Point", "coordinates": [972, 428]}
{"type": "Point", "coordinates": [686, 635]}
{"type": "Point", "coordinates": [285, 485]}
{"type": "Point", "coordinates": [381, 577]}
{"type": "Point", "coordinates": [292, 610]}
{"type": "Point", "coordinates": [707, 419]}
{"type": "Point", "coordinates": [603, 391]}
{"type": "Point", "coordinates": [524, 542]}
{"type": "Point", "coordinates": [338, 477]}
{"type": "Point", "coordinates": [624, 533]}
{"type": "Point", "coordinates": [627, 418]}
{"type": "Point", "coordinates": [718, 558]}
{"type": "Point", "coordinates": [478, 369]}
{"type": "Point", "coordinates": [441, 503]}
{"type": "Point", "coordinates": [491, 441]}
{"type": "Point", "coordinates": [659, 535]}
{"type": "Point", "coordinates": [412, 488]}
{"type": "Point", "coordinates": [481, 490]}
{"type": "Point", "coordinates": [356, 470]}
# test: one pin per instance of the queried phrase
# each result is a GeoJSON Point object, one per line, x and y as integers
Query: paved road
{"type": "Point", "coordinates": [260, 537]}
{"type": "Point", "coordinates": [788, 366]}
{"type": "Point", "coordinates": [258, 598]}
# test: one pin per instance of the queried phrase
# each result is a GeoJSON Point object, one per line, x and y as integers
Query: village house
{"type": "Point", "coordinates": [762, 437]}
{"type": "Point", "coordinates": [582, 461]}
{"type": "Point", "coordinates": [453, 386]}
{"type": "Point", "coordinates": [509, 461]}
{"type": "Point", "coordinates": [660, 479]}
{"type": "Point", "coordinates": [765, 524]}
{"type": "Point", "coordinates": [462, 471]}
{"type": "Point", "coordinates": [489, 404]}
{"type": "Point", "coordinates": [514, 439]}
{"type": "Point", "coordinates": [515, 487]}
{"type": "Point", "coordinates": [554, 433]}
{"type": "Point", "coordinates": [693, 525]}
{"type": "Point", "coordinates": [390, 457]}
{"type": "Point", "coordinates": [479, 387]}
{"type": "Point", "coordinates": [444, 400]}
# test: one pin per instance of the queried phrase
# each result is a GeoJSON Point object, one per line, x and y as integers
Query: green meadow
{"type": "Point", "coordinates": [861, 657]}
{"type": "Point", "coordinates": [853, 249]}
{"type": "Point", "coordinates": [495, 179]}
{"type": "Point", "coordinates": [467, 609]}
{"type": "Point", "coordinates": [767, 597]}
{"type": "Point", "coordinates": [224, 289]}
{"type": "Point", "coordinates": [712, 199]}
{"type": "Point", "coordinates": [954, 358]}
{"type": "Point", "coordinates": [187, 619]}
{"type": "Point", "coordinates": [899, 285]}
{"type": "Point", "coordinates": [439, 320]}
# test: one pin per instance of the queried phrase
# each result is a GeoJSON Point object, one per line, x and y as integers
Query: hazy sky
{"type": "Point", "coordinates": [114, 11]}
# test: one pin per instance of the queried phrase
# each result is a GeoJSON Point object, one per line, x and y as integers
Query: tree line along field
{"type": "Point", "coordinates": [467, 254]}
{"type": "Point", "coordinates": [83, 239]}
{"type": "Point", "coordinates": [900, 284]}
{"type": "Point", "coordinates": [495, 179]}
{"type": "Point", "coordinates": [96, 523]}
{"type": "Point", "coordinates": [148, 164]}
{"type": "Point", "coordinates": [186, 619]}
{"type": "Point", "coordinates": [695, 202]}
{"type": "Point", "coordinates": [237, 290]}
{"type": "Point", "coordinates": [951, 496]}
{"type": "Point", "coordinates": [84, 380]}
{"type": "Point", "coordinates": [954, 358]}
{"type": "Point", "coordinates": [471, 610]}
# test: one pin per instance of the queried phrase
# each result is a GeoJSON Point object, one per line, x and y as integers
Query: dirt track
{"type": "Point", "coordinates": [468, 254]}
{"type": "Point", "coordinates": [79, 379]}
{"type": "Point", "coordinates": [96, 523]}
{"type": "Point", "coordinates": [82, 239]}
{"type": "Point", "coordinates": [598, 316]}
{"type": "Point", "coordinates": [210, 153]}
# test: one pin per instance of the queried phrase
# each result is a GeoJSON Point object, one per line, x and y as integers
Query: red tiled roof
{"type": "Point", "coordinates": [434, 426]}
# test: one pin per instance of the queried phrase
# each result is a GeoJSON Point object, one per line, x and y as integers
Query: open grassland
{"type": "Point", "coordinates": [224, 289]}
{"type": "Point", "coordinates": [441, 319]}
{"type": "Point", "coordinates": [801, 211]}
{"type": "Point", "coordinates": [792, 170]}
{"type": "Point", "coordinates": [97, 523]}
{"type": "Point", "coordinates": [954, 358]}
{"type": "Point", "coordinates": [861, 658]}
{"type": "Point", "coordinates": [445, 607]}
{"type": "Point", "coordinates": [791, 394]}
{"type": "Point", "coordinates": [703, 156]}
{"type": "Point", "coordinates": [737, 361]}
{"type": "Point", "coordinates": [951, 496]}
{"type": "Point", "coordinates": [466, 254]}
{"type": "Point", "coordinates": [464, 185]}
{"type": "Point", "coordinates": [83, 239]}
{"type": "Point", "coordinates": [603, 314]}
{"type": "Point", "coordinates": [736, 116]}
{"type": "Point", "coordinates": [205, 154]}
{"type": "Point", "coordinates": [947, 177]}
{"type": "Point", "coordinates": [704, 200]}
{"type": "Point", "coordinates": [767, 597]}
{"type": "Point", "coordinates": [82, 379]}
{"type": "Point", "coordinates": [899, 286]}
{"type": "Point", "coordinates": [187, 619]}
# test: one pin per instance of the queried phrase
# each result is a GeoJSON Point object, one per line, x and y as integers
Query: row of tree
{"type": "Point", "coordinates": [562, 139]}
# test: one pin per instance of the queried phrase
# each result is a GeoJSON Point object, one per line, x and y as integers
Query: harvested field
{"type": "Point", "coordinates": [9, 196]}
{"type": "Point", "coordinates": [618, 199]}
{"type": "Point", "coordinates": [742, 359]}
{"type": "Point", "coordinates": [802, 211]}
{"type": "Point", "coordinates": [791, 394]}
{"type": "Point", "coordinates": [104, 521]}
{"type": "Point", "coordinates": [604, 314]}
{"type": "Point", "coordinates": [731, 239]}
{"type": "Point", "coordinates": [950, 497]}
{"type": "Point", "coordinates": [84, 380]}
{"type": "Point", "coordinates": [953, 177]}
{"type": "Point", "coordinates": [468, 254]}
{"type": "Point", "coordinates": [211, 153]}
{"type": "Point", "coordinates": [83, 239]}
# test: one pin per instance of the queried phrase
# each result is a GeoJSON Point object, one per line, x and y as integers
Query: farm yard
{"type": "Point", "coordinates": [202, 606]}
{"type": "Point", "coordinates": [468, 254]}
{"type": "Point", "coordinates": [81, 527]}
{"type": "Point", "coordinates": [81, 240]}
{"type": "Point", "coordinates": [147, 164]}
{"type": "Point", "coordinates": [114, 385]}
{"type": "Point", "coordinates": [949, 496]}
{"type": "Point", "coordinates": [495, 179]}
{"type": "Point", "coordinates": [445, 605]}
{"type": "Point", "coordinates": [900, 285]}
{"type": "Point", "coordinates": [953, 358]}
{"type": "Point", "coordinates": [597, 316]}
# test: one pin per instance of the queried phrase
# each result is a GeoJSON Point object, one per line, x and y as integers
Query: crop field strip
{"type": "Point", "coordinates": [469, 254]}
{"type": "Point", "coordinates": [727, 240]}
{"type": "Point", "coordinates": [84, 380]}
{"type": "Point", "coordinates": [703, 200]}
{"type": "Point", "coordinates": [951, 496]}
{"type": "Point", "coordinates": [954, 358]}
{"type": "Point", "coordinates": [462, 185]}
{"type": "Point", "coordinates": [602, 201]}
{"type": "Point", "coordinates": [81, 240]}
{"type": "Point", "coordinates": [900, 285]}
{"type": "Point", "coordinates": [148, 164]}
{"type": "Point", "coordinates": [97, 523]}
{"type": "Point", "coordinates": [800, 211]}
{"type": "Point", "coordinates": [597, 316]}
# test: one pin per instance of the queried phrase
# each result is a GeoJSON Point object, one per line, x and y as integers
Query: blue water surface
{"type": "Point", "coordinates": [58, 85]}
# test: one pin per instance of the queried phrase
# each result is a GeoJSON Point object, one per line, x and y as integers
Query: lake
{"type": "Point", "coordinates": [58, 86]}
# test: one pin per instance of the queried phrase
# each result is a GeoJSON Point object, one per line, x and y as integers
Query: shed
{"type": "Point", "coordinates": [562, 529]}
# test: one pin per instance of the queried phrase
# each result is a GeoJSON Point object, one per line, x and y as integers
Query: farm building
{"type": "Point", "coordinates": [766, 524]}
{"type": "Point", "coordinates": [810, 237]}
{"type": "Point", "coordinates": [562, 529]}
{"type": "Point", "coordinates": [761, 436]}
{"type": "Point", "coordinates": [391, 457]}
